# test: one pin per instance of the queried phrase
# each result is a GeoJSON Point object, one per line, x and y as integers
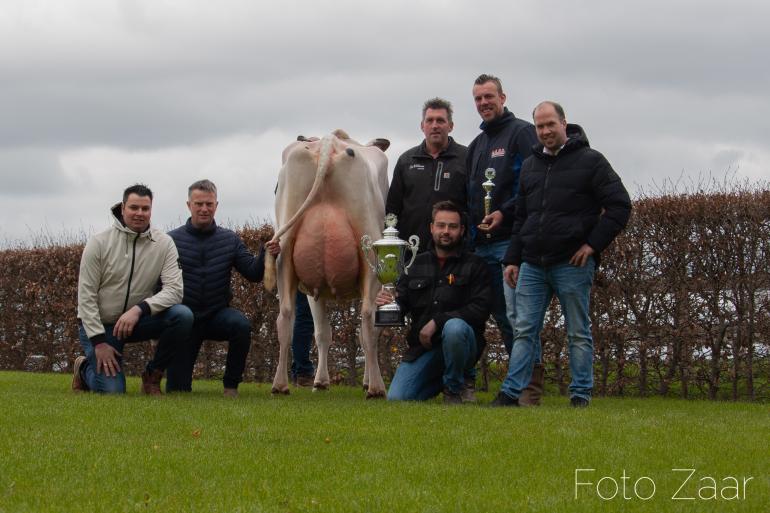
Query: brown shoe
{"type": "Point", "coordinates": [451, 398]}
{"type": "Point", "coordinates": [78, 383]}
{"type": "Point", "coordinates": [303, 381]}
{"type": "Point", "coordinates": [531, 395]}
{"type": "Point", "coordinates": [151, 382]}
{"type": "Point", "coordinates": [231, 392]}
{"type": "Point", "coordinates": [468, 394]}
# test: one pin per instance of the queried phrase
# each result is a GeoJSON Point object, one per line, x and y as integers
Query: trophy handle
{"type": "Point", "coordinates": [366, 247]}
{"type": "Point", "coordinates": [414, 245]}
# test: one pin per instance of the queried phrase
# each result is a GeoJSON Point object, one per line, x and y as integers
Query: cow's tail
{"type": "Point", "coordinates": [320, 175]}
{"type": "Point", "coordinates": [269, 277]}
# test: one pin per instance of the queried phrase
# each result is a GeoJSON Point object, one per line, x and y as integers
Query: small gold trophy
{"type": "Point", "coordinates": [488, 186]}
{"type": "Point", "coordinates": [390, 257]}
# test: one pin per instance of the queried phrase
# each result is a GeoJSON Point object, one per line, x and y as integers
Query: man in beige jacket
{"type": "Point", "coordinates": [120, 270]}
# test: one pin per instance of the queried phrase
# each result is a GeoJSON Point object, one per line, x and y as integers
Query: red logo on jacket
{"type": "Point", "coordinates": [498, 152]}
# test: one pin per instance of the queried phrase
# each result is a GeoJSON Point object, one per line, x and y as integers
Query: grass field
{"type": "Point", "coordinates": [334, 451]}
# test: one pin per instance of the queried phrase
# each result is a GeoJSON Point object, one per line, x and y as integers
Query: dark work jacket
{"type": "Point", "coordinates": [503, 144]}
{"type": "Point", "coordinates": [419, 181]}
{"type": "Point", "coordinates": [566, 201]}
{"type": "Point", "coordinates": [207, 257]}
{"type": "Point", "coordinates": [461, 289]}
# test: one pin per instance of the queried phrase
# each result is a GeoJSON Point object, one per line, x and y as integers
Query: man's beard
{"type": "Point", "coordinates": [448, 246]}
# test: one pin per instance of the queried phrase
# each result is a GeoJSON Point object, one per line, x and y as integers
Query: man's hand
{"type": "Point", "coordinates": [273, 247]}
{"type": "Point", "coordinates": [125, 325]}
{"type": "Point", "coordinates": [511, 275]}
{"type": "Point", "coordinates": [107, 359]}
{"type": "Point", "coordinates": [491, 221]}
{"type": "Point", "coordinates": [384, 298]}
{"type": "Point", "coordinates": [580, 257]}
{"type": "Point", "coordinates": [426, 333]}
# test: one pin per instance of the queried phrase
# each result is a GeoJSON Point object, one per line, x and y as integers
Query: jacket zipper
{"type": "Point", "coordinates": [437, 178]}
{"type": "Point", "coordinates": [542, 207]}
{"type": "Point", "coordinates": [131, 273]}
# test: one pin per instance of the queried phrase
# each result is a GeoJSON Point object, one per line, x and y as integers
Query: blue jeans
{"type": "Point", "coordinates": [503, 303]}
{"type": "Point", "coordinates": [170, 327]}
{"type": "Point", "coordinates": [441, 367]}
{"type": "Point", "coordinates": [534, 290]}
{"type": "Point", "coordinates": [226, 324]}
{"type": "Point", "coordinates": [302, 338]}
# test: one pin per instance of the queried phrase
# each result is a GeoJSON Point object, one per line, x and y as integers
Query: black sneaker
{"type": "Point", "coordinates": [578, 402]}
{"type": "Point", "coordinates": [504, 400]}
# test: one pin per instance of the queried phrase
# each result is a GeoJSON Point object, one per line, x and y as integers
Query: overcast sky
{"type": "Point", "coordinates": [98, 94]}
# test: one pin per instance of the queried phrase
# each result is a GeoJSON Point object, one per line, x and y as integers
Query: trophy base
{"type": "Point", "coordinates": [384, 318]}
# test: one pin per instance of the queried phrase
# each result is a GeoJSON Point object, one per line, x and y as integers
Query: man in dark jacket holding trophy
{"type": "Point", "coordinates": [446, 294]}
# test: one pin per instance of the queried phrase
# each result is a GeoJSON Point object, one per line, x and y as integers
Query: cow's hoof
{"type": "Point", "coordinates": [321, 387]}
{"type": "Point", "coordinates": [279, 391]}
{"type": "Point", "coordinates": [375, 395]}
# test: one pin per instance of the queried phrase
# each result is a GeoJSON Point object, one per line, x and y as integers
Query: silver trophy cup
{"type": "Point", "coordinates": [488, 186]}
{"type": "Point", "coordinates": [390, 257]}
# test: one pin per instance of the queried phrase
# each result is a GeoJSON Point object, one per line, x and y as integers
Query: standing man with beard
{"type": "Point", "coordinates": [447, 295]}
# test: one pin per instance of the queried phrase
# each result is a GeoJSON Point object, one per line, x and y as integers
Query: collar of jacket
{"type": "Point", "coordinates": [498, 123]}
{"type": "Point", "coordinates": [449, 151]}
{"type": "Point", "coordinates": [200, 232]}
{"type": "Point", "coordinates": [117, 221]}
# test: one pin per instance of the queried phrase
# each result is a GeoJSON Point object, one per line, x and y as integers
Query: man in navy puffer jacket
{"type": "Point", "coordinates": [207, 254]}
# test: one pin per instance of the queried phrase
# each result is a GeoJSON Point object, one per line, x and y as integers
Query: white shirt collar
{"type": "Point", "coordinates": [548, 152]}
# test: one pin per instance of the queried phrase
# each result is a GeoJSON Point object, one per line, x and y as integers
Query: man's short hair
{"type": "Point", "coordinates": [558, 108]}
{"type": "Point", "coordinates": [436, 104]}
{"type": "Point", "coordinates": [484, 78]}
{"type": "Point", "coordinates": [139, 189]}
{"type": "Point", "coordinates": [202, 185]}
{"type": "Point", "coordinates": [445, 206]}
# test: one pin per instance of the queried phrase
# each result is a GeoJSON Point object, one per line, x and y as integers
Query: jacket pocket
{"type": "Point", "coordinates": [419, 292]}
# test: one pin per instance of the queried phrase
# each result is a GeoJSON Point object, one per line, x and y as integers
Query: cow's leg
{"type": "Point", "coordinates": [375, 387]}
{"type": "Point", "coordinates": [287, 291]}
{"type": "Point", "coordinates": [323, 339]}
{"type": "Point", "coordinates": [377, 333]}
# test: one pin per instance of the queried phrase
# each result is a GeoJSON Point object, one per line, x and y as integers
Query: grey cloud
{"type": "Point", "coordinates": [156, 76]}
{"type": "Point", "coordinates": [31, 171]}
{"type": "Point", "coordinates": [660, 87]}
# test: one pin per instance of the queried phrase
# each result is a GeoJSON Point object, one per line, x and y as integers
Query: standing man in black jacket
{"type": "Point", "coordinates": [503, 144]}
{"type": "Point", "coordinates": [571, 205]}
{"type": "Point", "coordinates": [208, 253]}
{"type": "Point", "coordinates": [447, 295]}
{"type": "Point", "coordinates": [431, 172]}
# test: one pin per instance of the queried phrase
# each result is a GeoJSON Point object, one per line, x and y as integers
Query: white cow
{"type": "Point", "coordinates": [330, 193]}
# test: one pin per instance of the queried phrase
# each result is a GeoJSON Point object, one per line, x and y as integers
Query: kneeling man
{"type": "Point", "coordinates": [117, 303]}
{"type": "Point", "coordinates": [447, 294]}
{"type": "Point", "coordinates": [208, 253]}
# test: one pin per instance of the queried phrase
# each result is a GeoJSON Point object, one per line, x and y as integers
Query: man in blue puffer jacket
{"type": "Point", "coordinates": [208, 253]}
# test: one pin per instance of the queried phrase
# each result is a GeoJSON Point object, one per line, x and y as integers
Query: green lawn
{"type": "Point", "coordinates": [335, 451]}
